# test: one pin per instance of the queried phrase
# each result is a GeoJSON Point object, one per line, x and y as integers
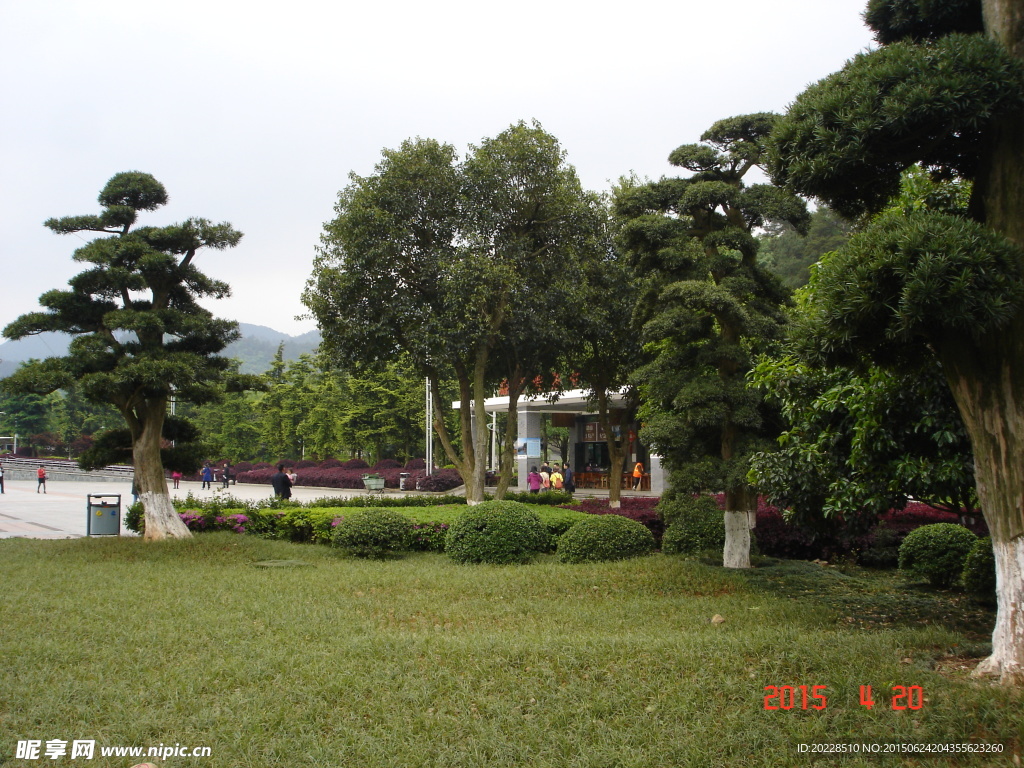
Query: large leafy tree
{"type": "Point", "coordinates": [139, 335]}
{"type": "Point", "coordinates": [708, 305]}
{"type": "Point", "coordinates": [945, 89]}
{"type": "Point", "coordinates": [444, 259]}
{"type": "Point", "coordinates": [605, 353]}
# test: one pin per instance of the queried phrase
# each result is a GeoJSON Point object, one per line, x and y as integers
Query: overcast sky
{"type": "Point", "coordinates": [255, 112]}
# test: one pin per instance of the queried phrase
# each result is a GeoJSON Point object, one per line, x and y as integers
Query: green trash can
{"type": "Point", "coordinates": [103, 514]}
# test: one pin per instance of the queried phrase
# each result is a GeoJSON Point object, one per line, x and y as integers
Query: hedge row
{"type": "Point", "coordinates": [317, 523]}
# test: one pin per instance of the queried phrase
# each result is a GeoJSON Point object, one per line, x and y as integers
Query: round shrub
{"type": "Point", "coordinates": [696, 524]}
{"type": "Point", "coordinates": [605, 537]}
{"type": "Point", "coordinates": [980, 569]}
{"type": "Point", "coordinates": [373, 533]}
{"type": "Point", "coordinates": [936, 552]}
{"type": "Point", "coordinates": [498, 532]}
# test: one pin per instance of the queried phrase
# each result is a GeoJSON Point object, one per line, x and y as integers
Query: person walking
{"type": "Point", "coordinates": [207, 476]}
{"type": "Point", "coordinates": [41, 475]}
{"type": "Point", "coordinates": [1, 478]}
{"type": "Point", "coordinates": [638, 475]}
{"type": "Point", "coordinates": [556, 479]}
{"type": "Point", "coordinates": [282, 483]}
{"type": "Point", "coordinates": [534, 480]}
{"type": "Point", "coordinates": [227, 473]}
{"type": "Point", "coordinates": [176, 478]}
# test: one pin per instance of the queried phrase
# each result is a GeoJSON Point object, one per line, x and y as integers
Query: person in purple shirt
{"type": "Point", "coordinates": [534, 480]}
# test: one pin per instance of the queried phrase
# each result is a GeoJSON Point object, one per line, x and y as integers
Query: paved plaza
{"type": "Point", "coordinates": [61, 513]}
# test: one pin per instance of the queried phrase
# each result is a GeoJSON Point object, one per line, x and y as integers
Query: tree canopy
{"type": "Point", "coordinates": [946, 91]}
{"type": "Point", "coordinates": [140, 335]}
{"type": "Point", "coordinates": [706, 304]}
{"type": "Point", "coordinates": [451, 261]}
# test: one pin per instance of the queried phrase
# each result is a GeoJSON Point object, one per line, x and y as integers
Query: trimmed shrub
{"type": "Point", "coordinates": [979, 574]}
{"type": "Point", "coordinates": [553, 498]}
{"type": "Point", "coordinates": [301, 524]}
{"type": "Point", "coordinates": [642, 509]}
{"type": "Point", "coordinates": [354, 464]}
{"type": "Point", "coordinates": [497, 532]}
{"type": "Point", "coordinates": [429, 536]}
{"type": "Point", "coordinates": [373, 533]}
{"type": "Point", "coordinates": [936, 552]}
{"type": "Point", "coordinates": [605, 537]}
{"type": "Point", "coordinates": [412, 464]}
{"type": "Point", "coordinates": [387, 464]}
{"type": "Point", "coordinates": [695, 524]}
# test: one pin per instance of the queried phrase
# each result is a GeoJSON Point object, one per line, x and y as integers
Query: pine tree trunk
{"type": "Point", "coordinates": [987, 381]}
{"type": "Point", "coordinates": [162, 520]}
{"type": "Point", "coordinates": [987, 376]}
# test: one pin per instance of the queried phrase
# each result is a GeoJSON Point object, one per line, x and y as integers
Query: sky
{"type": "Point", "coordinates": [255, 112]}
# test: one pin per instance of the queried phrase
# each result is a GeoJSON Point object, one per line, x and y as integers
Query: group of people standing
{"type": "Point", "coordinates": [548, 478]}
{"type": "Point", "coordinates": [210, 474]}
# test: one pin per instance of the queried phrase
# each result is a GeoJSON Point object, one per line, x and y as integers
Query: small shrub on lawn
{"type": "Point", "coordinates": [497, 532]}
{"type": "Point", "coordinates": [373, 533]}
{"type": "Point", "coordinates": [606, 537]}
{"type": "Point", "coordinates": [429, 537]}
{"type": "Point", "coordinates": [695, 524]}
{"type": "Point", "coordinates": [936, 552]}
{"type": "Point", "coordinates": [302, 524]}
{"type": "Point", "coordinates": [979, 574]}
{"type": "Point", "coordinates": [640, 508]}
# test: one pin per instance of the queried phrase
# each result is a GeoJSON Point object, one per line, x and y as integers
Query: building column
{"type": "Point", "coordinates": [529, 427]}
{"type": "Point", "coordinates": [657, 475]}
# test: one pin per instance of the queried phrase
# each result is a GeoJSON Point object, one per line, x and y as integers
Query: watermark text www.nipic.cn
{"type": "Point", "coordinates": [85, 749]}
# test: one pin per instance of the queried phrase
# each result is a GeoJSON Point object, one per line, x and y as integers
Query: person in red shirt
{"type": "Point", "coordinates": [41, 474]}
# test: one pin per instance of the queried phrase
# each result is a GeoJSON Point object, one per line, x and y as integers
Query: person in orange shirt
{"type": "Point", "coordinates": [41, 474]}
{"type": "Point", "coordinates": [638, 475]}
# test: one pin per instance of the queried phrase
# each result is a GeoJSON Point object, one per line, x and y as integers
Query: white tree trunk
{"type": "Point", "coordinates": [737, 539]}
{"type": "Point", "coordinates": [1007, 659]}
{"type": "Point", "coordinates": [162, 519]}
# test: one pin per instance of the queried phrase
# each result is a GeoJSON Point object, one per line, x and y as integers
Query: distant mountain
{"type": "Point", "coordinates": [258, 345]}
{"type": "Point", "coordinates": [255, 349]}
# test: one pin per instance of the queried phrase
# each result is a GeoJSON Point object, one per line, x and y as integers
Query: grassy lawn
{"type": "Point", "coordinates": [419, 662]}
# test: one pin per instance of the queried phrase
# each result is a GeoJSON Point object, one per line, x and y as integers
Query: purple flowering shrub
{"type": "Point", "coordinates": [197, 520]}
{"type": "Point", "coordinates": [441, 480]}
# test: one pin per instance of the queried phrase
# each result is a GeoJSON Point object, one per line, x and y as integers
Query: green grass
{"type": "Point", "coordinates": [419, 662]}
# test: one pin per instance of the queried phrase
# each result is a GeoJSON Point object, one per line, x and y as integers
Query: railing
{"type": "Point", "coordinates": [58, 465]}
